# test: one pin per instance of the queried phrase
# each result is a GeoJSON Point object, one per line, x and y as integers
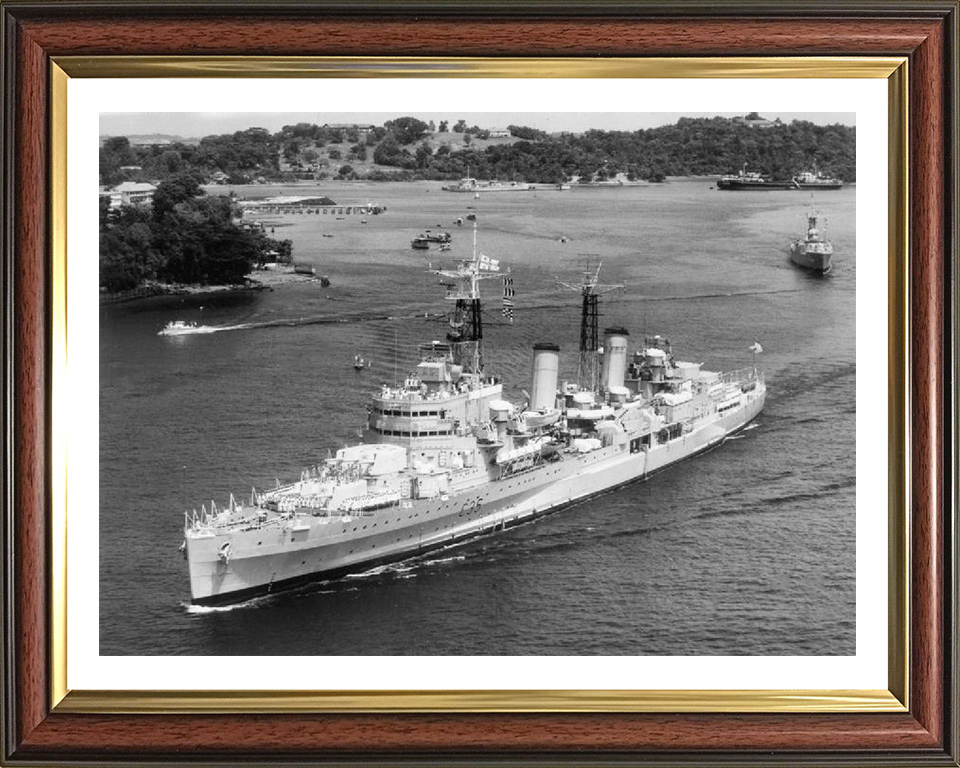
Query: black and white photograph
{"type": "Point", "coordinates": [477, 383]}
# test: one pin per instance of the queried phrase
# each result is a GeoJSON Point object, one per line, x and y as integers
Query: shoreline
{"type": "Point", "coordinates": [265, 280]}
{"type": "Point", "coordinates": [535, 186]}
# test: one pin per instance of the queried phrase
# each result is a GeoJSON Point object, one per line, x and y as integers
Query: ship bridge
{"type": "Point", "coordinates": [438, 401]}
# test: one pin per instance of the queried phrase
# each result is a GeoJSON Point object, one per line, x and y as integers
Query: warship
{"type": "Point", "coordinates": [469, 184]}
{"type": "Point", "coordinates": [445, 458]}
{"type": "Point", "coordinates": [813, 251]}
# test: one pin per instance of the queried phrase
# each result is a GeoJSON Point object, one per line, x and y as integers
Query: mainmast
{"type": "Point", "coordinates": [466, 324]}
{"type": "Point", "coordinates": [590, 289]}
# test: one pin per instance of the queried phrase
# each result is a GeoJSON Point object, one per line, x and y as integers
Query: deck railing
{"type": "Point", "coordinates": [742, 375]}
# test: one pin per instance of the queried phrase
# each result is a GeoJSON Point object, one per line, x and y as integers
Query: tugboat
{"type": "Point", "coordinates": [813, 252]}
{"type": "Point", "coordinates": [445, 457]}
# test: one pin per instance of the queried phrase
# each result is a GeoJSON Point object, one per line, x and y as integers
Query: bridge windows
{"type": "Point", "coordinates": [410, 414]}
{"type": "Point", "coordinates": [412, 433]}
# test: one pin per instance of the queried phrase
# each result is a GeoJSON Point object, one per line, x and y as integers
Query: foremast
{"type": "Point", "coordinates": [466, 323]}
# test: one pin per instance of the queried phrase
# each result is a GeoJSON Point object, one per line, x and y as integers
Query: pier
{"type": "Point", "coordinates": [306, 206]}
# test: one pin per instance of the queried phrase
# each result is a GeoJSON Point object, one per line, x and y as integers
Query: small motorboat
{"type": "Point", "coordinates": [358, 363]}
{"type": "Point", "coordinates": [177, 328]}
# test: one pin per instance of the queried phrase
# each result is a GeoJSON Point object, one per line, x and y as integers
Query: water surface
{"type": "Point", "coordinates": [748, 549]}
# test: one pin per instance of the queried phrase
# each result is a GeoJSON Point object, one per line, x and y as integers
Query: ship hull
{"type": "Point", "coordinates": [820, 185]}
{"type": "Point", "coordinates": [269, 562]}
{"type": "Point", "coordinates": [735, 185]}
{"type": "Point", "coordinates": [485, 189]}
{"type": "Point", "coordinates": [821, 263]}
{"type": "Point", "coordinates": [492, 188]}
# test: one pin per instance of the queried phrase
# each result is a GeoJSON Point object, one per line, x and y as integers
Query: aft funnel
{"type": "Point", "coordinates": [614, 358]}
{"type": "Point", "coordinates": [546, 363]}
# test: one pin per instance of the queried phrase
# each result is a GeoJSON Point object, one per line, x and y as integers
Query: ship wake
{"type": "Point", "coordinates": [201, 610]}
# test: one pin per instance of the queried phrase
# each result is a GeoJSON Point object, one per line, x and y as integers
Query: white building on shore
{"type": "Point", "coordinates": [132, 193]}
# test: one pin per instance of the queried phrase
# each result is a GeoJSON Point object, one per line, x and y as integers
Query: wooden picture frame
{"type": "Point", "coordinates": [917, 722]}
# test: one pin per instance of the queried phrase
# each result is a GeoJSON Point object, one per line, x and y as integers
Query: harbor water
{"type": "Point", "coordinates": [748, 549]}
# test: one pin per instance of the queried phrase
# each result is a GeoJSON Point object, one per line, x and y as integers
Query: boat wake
{"type": "Point", "coordinates": [444, 560]}
{"type": "Point", "coordinates": [294, 323]}
{"type": "Point", "coordinates": [380, 570]}
{"type": "Point", "coordinates": [201, 610]}
{"type": "Point", "coordinates": [201, 329]}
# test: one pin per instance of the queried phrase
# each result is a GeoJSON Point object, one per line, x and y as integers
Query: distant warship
{"type": "Point", "coordinates": [813, 251]}
{"type": "Point", "coordinates": [476, 186]}
{"type": "Point", "coordinates": [445, 458]}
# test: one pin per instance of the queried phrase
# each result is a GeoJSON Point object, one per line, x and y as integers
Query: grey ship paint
{"type": "Point", "coordinates": [813, 251]}
{"type": "Point", "coordinates": [444, 458]}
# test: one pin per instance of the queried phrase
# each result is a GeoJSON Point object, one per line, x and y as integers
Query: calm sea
{"type": "Point", "coordinates": [748, 549]}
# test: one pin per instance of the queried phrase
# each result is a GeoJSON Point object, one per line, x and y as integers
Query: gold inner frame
{"type": "Point", "coordinates": [894, 699]}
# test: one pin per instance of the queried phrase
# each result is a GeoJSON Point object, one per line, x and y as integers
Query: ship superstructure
{"type": "Point", "coordinates": [816, 180]}
{"type": "Point", "coordinates": [445, 458]}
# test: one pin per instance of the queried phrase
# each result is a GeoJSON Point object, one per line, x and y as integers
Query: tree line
{"type": "Point", "coordinates": [409, 148]}
{"type": "Point", "coordinates": [185, 236]}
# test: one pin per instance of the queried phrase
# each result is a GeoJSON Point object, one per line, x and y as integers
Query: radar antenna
{"type": "Point", "coordinates": [590, 289]}
{"type": "Point", "coordinates": [463, 287]}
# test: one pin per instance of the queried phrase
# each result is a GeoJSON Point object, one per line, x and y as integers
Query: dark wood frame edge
{"type": "Point", "coordinates": [928, 735]}
{"type": "Point", "coordinates": [617, 9]}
